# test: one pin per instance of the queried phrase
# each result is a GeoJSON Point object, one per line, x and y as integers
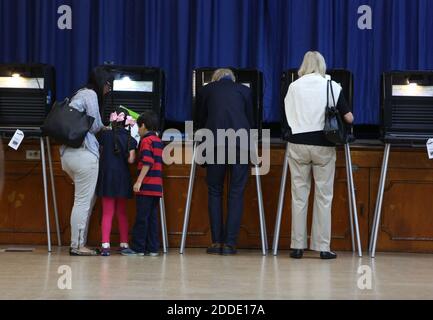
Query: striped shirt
{"type": "Point", "coordinates": [151, 148]}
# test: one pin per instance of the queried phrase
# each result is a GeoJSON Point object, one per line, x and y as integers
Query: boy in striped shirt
{"type": "Point", "coordinates": [148, 188]}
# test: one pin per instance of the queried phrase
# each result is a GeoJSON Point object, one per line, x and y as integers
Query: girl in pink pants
{"type": "Point", "coordinates": [114, 181]}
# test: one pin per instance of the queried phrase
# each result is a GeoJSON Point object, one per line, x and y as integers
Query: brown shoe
{"type": "Point", "coordinates": [83, 251]}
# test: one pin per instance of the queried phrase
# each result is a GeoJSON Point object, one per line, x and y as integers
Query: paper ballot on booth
{"type": "Point", "coordinates": [134, 128]}
{"type": "Point", "coordinates": [430, 148]}
{"type": "Point", "coordinates": [135, 134]}
{"type": "Point", "coordinates": [16, 139]}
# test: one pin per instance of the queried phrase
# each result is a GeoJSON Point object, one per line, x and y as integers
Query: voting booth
{"type": "Point", "coordinates": [27, 93]}
{"type": "Point", "coordinates": [407, 107]}
{"type": "Point", "coordinates": [254, 80]}
{"type": "Point", "coordinates": [251, 78]}
{"type": "Point", "coordinates": [136, 88]}
{"type": "Point", "coordinates": [345, 79]}
{"type": "Point", "coordinates": [407, 120]}
{"type": "Point", "coordinates": [139, 89]}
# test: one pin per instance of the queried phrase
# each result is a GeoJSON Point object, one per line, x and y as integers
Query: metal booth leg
{"type": "Point", "coordinates": [281, 202]}
{"type": "Point", "coordinates": [53, 191]}
{"type": "Point", "coordinates": [379, 201]}
{"type": "Point", "coordinates": [44, 178]}
{"type": "Point", "coordinates": [263, 233]}
{"type": "Point", "coordinates": [188, 199]}
{"type": "Point", "coordinates": [349, 196]}
{"type": "Point", "coordinates": [352, 197]}
{"type": "Point", "coordinates": [163, 224]}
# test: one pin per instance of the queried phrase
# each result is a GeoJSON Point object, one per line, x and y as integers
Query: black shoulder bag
{"type": "Point", "coordinates": [67, 125]}
{"type": "Point", "coordinates": [335, 128]}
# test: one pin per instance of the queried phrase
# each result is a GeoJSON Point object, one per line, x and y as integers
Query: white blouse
{"type": "Point", "coordinates": [305, 103]}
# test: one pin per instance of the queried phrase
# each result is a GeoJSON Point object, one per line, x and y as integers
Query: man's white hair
{"type": "Point", "coordinates": [221, 73]}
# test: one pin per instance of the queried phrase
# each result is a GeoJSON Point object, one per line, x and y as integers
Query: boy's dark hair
{"type": "Point", "coordinates": [149, 119]}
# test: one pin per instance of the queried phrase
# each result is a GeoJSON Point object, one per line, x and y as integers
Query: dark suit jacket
{"type": "Point", "coordinates": [224, 104]}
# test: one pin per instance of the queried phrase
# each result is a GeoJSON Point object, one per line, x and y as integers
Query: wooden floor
{"type": "Point", "coordinates": [196, 275]}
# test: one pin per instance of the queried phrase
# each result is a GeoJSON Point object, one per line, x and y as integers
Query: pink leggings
{"type": "Point", "coordinates": [109, 206]}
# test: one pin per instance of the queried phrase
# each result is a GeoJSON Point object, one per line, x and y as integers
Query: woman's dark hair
{"type": "Point", "coordinates": [98, 78]}
{"type": "Point", "coordinates": [149, 119]}
{"type": "Point", "coordinates": [119, 125]}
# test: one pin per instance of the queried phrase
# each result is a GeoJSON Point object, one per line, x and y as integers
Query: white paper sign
{"type": "Point", "coordinates": [16, 140]}
{"type": "Point", "coordinates": [135, 134]}
{"type": "Point", "coordinates": [430, 148]}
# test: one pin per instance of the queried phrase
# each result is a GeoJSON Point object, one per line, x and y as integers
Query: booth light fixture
{"type": "Point", "coordinates": [125, 83]}
{"type": "Point", "coordinates": [16, 75]}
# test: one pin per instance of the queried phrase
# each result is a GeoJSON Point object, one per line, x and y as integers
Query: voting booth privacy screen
{"type": "Point", "coordinates": [248, 77]}
{"type": "Point", "coordinates": [27, 92]}
{"type": "Point", "coordinates": [136, 88]}
{"type": "Point", "coordinates": [407, 107]}
{"type": "Point", "coordinates": [341, 76]}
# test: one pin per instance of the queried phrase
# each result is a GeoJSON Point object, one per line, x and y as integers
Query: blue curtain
{"type": "Point", "coordinates": [180, 35]}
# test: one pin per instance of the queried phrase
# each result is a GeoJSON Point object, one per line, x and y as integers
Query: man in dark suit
{"type": "Point", "coordinates": [225, 104]}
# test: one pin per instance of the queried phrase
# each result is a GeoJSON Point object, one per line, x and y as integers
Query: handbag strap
{"type": "Point", "coordinates": [74, 94]}
{"type": "Point", "coordinates": [332, 93]}
{"type": "Point", "coordinates": [327, 94]}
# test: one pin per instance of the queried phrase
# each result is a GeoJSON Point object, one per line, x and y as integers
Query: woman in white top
{"type": "Point", "coordinates": [310, 153]}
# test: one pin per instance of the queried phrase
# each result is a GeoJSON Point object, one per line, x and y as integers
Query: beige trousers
{"type": "Point", "coordinates": [303, 158]}
{"type": "Point", "coordinates": [82, 166]}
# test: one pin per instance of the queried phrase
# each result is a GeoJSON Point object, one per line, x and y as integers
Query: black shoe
{"type": "Point", "coordinates": [297, 253]}
{"type": "Point", "coordinates": [228, 250]}
{"type": "Point", "coordinates": [327, 255]}
{"type": "Point", "coordinates": [215, 248]}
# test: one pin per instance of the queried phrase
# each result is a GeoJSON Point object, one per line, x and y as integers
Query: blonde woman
{"type": "Point", "coordinates": [311, 154]}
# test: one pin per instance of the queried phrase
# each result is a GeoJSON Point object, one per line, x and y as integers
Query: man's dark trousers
{"type": "Point", "coordinates": [227, 234]}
